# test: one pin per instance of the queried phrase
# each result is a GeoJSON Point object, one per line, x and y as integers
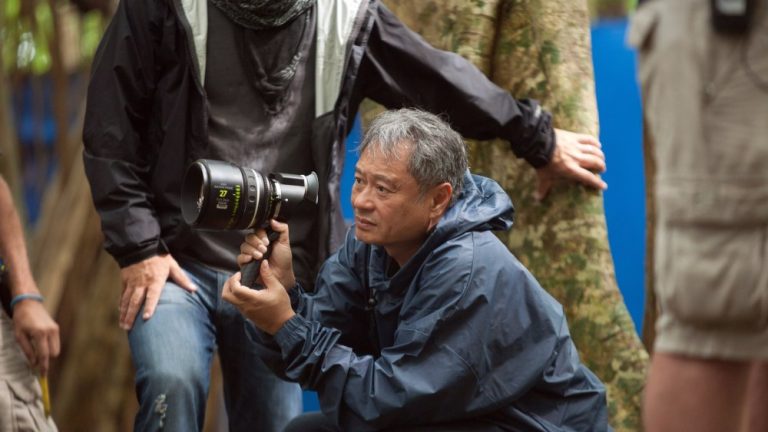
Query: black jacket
{"type": "Point", "coordinates": [146, 117]}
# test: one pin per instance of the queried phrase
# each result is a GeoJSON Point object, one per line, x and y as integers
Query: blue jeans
{"type": "Point", "coordinates": [172, 354]}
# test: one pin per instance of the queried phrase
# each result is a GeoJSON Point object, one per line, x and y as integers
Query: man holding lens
{"type": "Point", "coordinates": [423, 319]}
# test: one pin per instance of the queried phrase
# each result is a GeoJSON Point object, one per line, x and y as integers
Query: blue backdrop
{"type": "Point", "coordinates": [618, 102]}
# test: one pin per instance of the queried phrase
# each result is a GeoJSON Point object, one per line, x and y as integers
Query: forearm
{"type": "Point", "coordinates": [401, 69]}
{"type": "Point", "coordinates": [123, 200]}
{"type": "Point", "coordinates": [362, 392]}
{"type": "Point", "coordinates": [13, 248]}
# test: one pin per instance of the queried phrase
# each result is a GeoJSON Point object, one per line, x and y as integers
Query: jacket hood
{"type": "Point", "coordinates": [482, 206]}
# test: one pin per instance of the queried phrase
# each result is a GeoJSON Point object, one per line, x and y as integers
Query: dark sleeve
{"type": "Point", "coordinates": [338, 302]}
{"type": "Point", "coordinates": [118, 109]}
{"type": "Point", "coordinates": [264, 343]}
{"type": "Point", "coordinates": [341, 304]}
{"type": "Point", "coordinates": [453, 357]}
{"type": "Point", "coordinates": [400, 69]}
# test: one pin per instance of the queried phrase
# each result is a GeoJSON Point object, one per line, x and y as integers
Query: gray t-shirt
{"type": "Point", "coordinates": [260, 101]}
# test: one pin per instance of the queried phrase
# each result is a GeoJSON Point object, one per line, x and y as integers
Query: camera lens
{"type": "Point", "coordinates": [221, 195]}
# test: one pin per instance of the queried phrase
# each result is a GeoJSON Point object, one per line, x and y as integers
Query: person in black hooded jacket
{"type": "Point", "coordinates": [423, 319]}
{"type": "Point", "coordinates": [272, 85]}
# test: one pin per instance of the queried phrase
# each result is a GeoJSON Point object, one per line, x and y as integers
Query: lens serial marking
{"type": "Point", "coordinates": [233, 214]}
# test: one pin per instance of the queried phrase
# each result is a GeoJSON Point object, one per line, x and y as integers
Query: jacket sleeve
{"type": "Point", "coordinates": [401, 69]}
{"type": "Point", "coordinates": [117, 156]}
{"type": "Point", "coordinates": [453, 356]}
{"type": "Point", "coordinates": [339, 305]}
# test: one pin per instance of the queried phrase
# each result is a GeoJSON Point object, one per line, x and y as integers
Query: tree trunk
{"type": "Point", "coordinates": [610, 8]}
{"type": "Point", "coordinates": [651, 310]}
{"type": "Point", "coordinates": [60, 84]}
{"type": "Point", "coordinates": [541, 49]}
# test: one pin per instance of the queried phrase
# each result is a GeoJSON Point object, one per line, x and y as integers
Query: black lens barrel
{"type": "Point", "coordinates": [221, 195]}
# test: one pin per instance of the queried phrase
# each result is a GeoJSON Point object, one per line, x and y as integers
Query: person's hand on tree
{"type": "Point", "coordinates": [576, 157]}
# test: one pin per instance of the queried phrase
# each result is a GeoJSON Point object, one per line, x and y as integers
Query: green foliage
{"type": "Point", "coordinates": [25, 37]}
{"type": "Point", "coordinates": [92, 28]}
{"type": "Point", "coordinates": [27, 33]}
{"type": "Point", "coordinates": [11, 8]}
{"type": "Point", "coordinates": [42, 32]}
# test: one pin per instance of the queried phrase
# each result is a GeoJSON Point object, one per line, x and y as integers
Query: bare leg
{"type": "Point", "coordinates": [689, 394]}
{"type": "Point", "coordinates": [757, 398]}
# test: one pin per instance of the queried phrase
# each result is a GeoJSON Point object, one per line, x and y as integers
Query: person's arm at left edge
{"type": "Point", "coordinates": [36, 332]}
{"type": "Point", "coordinates": [401, 69]}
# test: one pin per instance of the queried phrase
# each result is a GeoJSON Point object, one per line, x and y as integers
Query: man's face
{"type": "Point", "coordinates": [388, 209]}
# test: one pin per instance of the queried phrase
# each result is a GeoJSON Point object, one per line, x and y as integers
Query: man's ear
{"type": "Point", "coordinates": [441, 197]}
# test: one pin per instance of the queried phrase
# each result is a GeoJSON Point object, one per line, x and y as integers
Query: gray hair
{"type": "Point", "coordinates": [438, 152]}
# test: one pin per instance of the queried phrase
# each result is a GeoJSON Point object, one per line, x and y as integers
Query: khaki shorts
{"type": "Point", "coordinates": [712, 286]}
{"type": "Point", "coordinates": [21, 406]}
{"type": "Point", "coordinates": [708, 116]}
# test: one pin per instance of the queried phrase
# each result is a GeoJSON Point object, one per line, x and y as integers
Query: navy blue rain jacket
{"type": "Point", "coordinates": [461, 331]}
